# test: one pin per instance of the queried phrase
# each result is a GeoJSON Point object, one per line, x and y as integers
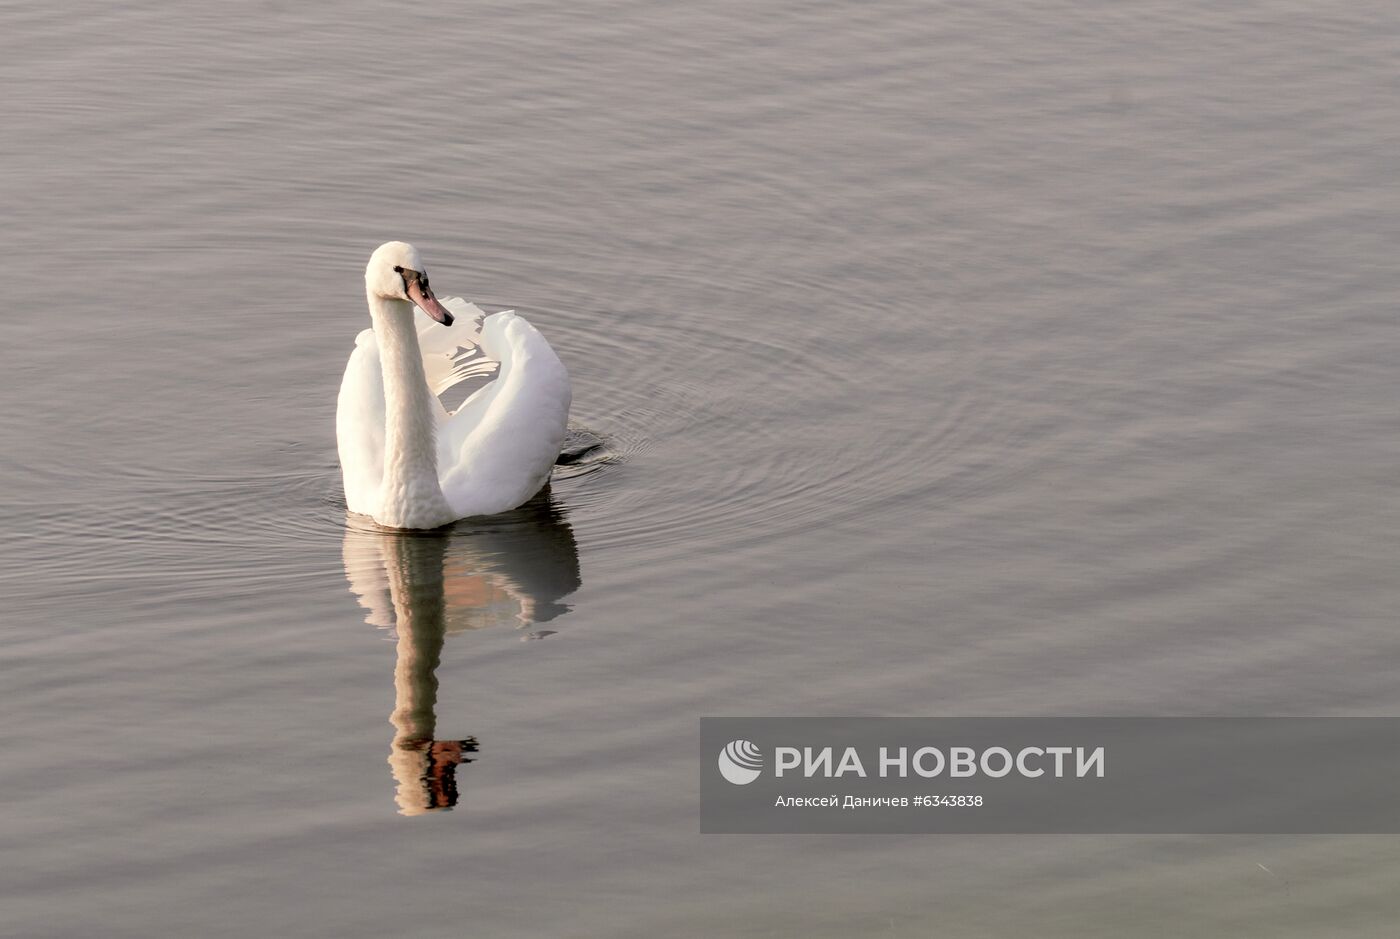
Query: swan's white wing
{"type": "Point", "coordinates": [451, 354]}
{"type": "Point", "coordinates": [359, 425]}
{"type": "Point", "coordinates": [498, 448]}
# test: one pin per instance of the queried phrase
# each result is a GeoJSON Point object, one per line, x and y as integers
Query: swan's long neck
{"type": "Point", "coordinates": [411, 496]}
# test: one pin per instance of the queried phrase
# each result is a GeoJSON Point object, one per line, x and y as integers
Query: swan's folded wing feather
{"type": "Point", "coordinates": [452, 354]}
{"type": "Point", "coordinates": [359, 425]}
{"type": "Point", "coordinates": [464, 331]}
{"type": "Point", "coordinates": [500, 445]}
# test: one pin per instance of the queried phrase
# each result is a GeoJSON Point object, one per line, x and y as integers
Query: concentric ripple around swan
{"type": "Point", "coordinates": [687, 426]}
{"type": "Point", "coordinates": [201, 532]}
{"type": "Point", "coordinates": [718, 429]}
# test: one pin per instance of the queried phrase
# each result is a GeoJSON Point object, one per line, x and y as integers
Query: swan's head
{"type": "Point", "coordinates": [395, 272]}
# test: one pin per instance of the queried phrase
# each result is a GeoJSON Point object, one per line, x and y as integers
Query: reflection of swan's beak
{"type": "Point", "coordinates": [421, 294]}
{"type": "Point", "coordinates": [426, 773]}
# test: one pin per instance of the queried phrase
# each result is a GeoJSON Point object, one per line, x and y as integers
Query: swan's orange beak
{"type": "Point", "coordinates": [422, 295]}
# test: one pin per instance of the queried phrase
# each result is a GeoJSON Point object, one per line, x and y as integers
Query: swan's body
{"type": "Point", "coordinates": [406, 460]}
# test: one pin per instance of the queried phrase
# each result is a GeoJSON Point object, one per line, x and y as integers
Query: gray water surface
{"type": "Point", "coordinates": [950, 359]}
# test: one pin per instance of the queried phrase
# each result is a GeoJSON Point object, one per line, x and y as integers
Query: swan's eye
{"type": "Point", "coordinates": [397, 269]}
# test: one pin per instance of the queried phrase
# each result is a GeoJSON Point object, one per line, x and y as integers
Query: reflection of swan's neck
{"type": "Point", "coordinates": [411, 496]}
{"type": "Point", "coordinates": [421, 634]}
{"type": "Point", "coordinates": [414, 566]}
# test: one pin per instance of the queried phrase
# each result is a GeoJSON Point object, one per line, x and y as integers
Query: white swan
{"type": "Point", "coordinates": [406, 461]}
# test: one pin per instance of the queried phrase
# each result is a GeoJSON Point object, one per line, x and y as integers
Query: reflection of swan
{"type": "Point", "coordinates": [425, 585]}
{"type": "Point", "coordinates": [406, 461]}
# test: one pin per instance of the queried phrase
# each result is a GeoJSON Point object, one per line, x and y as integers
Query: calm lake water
{"type": "Point", "coordinates": [996, 359]}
